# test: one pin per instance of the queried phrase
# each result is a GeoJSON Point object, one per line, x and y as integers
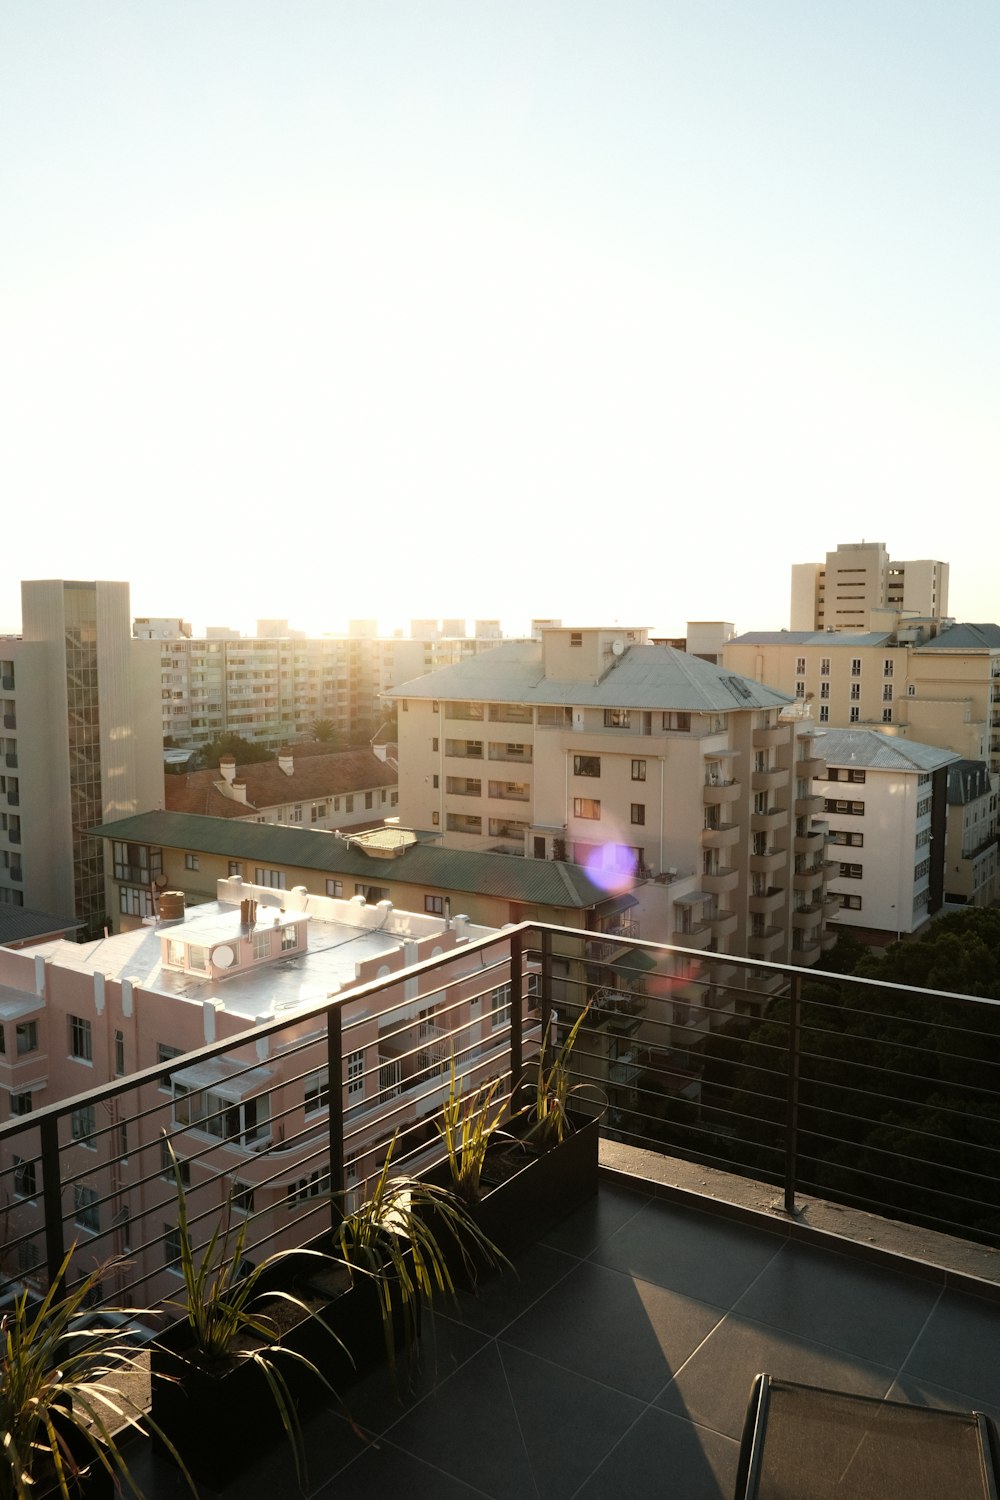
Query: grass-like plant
{"type": "Point", "coordinates": [225, 1312]}
{"type": "Point", "coordinates": [550, 1121]}
{"type": "Point", "coordinates": [467, 1127]}
{"type": "Point", "coordinates": [60, 1404]}
{"type": "Point", "coordinates": [396, 1235]}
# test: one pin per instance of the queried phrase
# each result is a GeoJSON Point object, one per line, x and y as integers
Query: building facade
{"type": "Point", "coordinates": [627, 758]}
{"type": "Point", "coordinates": [338, 789]}
{"type": "Point", "coordinates": [81, 742]}
{"type": "Point", "coordinates": [859, 581]}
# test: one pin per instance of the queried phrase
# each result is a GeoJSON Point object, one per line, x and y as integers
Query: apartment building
{"type": "Point", "coordinates": [858, 582]}
{"type": "Point", "coordinates": [335, 789]}
{"type": "Point", "coordinates": [73, 1016]}
{"type": "Point", "coordinates": [971, 846]}
{"type": "Point", "coordinates": [886, 801]}
{"type": "Point", "coordinates": [81, 741]}
{"type": "Point", "coordinates": [937, 682]}
{"type": "Point", "coordinates": [627, 758]}
{"type": "Point", "coordinates": [273, 689]}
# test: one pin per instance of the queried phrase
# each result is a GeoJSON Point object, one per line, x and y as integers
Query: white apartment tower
{"type": "Point", "coordinates": [81, 742]}
{"type": "Point", "coordinates": [859, 580]}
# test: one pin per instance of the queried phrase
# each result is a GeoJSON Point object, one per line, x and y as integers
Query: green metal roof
{"type": "Point", "coordinates": [535, 882]}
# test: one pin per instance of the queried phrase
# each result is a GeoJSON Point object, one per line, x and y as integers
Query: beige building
{"type": "Point", "coordinates": [627, 758]}
{"type": "Point", "coordinates": [858, 581]}
{"type": "Point", "coordinates": [81, 741]}
{"type": "Point", "coordinates": [970, 876]}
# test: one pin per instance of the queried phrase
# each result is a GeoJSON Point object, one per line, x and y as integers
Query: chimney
{"type": "Point", "coordinates": [286, 761]}
{"type": "Point", "coordinates": [248, 913]}
{"type": "Point", "coordinates": [227, 766]}
{"type": "Point", "coordinates": [171, 907]}
{"type": "Point", "coordinates": [239, 790]}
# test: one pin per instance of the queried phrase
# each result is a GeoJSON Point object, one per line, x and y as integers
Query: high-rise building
{"type": "Point", "coordinates": [81, 742]}
{"type": "Point", "coordinates": [858, 582]}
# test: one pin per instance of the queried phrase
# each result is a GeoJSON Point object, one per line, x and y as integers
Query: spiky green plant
{"type": "Point", "coordinates": [225, 1315]}
{"type": "Point", "coordinates": [60, 1404]}
{"type": "Point", "coordinates": [468, 1127]}
{"type": "Point", "coordinates": [395, 1236]}
{"type": "Point", "coordinates": [550, 1121]}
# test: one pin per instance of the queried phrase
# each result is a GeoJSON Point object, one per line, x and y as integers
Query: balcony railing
{"type": "Point", "coordinates": [877, 1096]}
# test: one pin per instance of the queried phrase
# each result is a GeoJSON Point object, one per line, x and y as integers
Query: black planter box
{"type": "Point", "coordinates": [542, 1188]}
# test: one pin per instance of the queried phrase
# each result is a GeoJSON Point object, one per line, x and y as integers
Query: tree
{"type": "Point", "coordinates": [244, 752]}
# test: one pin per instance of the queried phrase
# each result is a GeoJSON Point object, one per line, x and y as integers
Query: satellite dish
{"type": "Point", "coordinates": [159, 881]}
{"type": "Point", "coordinates": [223, 957]}
{"type": "Point", "coordinates": [618, 648]}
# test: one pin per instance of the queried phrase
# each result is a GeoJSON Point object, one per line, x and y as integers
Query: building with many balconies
{"type": "Point", "coordinates": [858, 582]}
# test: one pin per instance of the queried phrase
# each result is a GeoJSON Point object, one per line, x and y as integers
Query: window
{"type": "Point", "coordinates": [349, 804]}
{"type": "Point", "coordinates": [617, 718]}
{"type": "Point", "coordinates": [921, 869]}
{"type": "Point", "coordinates": [824, 713]}
{"type": "Point", "coordinates": [241, 1197]}
{"type": "Point", "coordinates": [334, 887]}
{"type": "Point", "coordinates": [273, 879]}
{"type": "Point", "coordinates": [436, 781]}
{"type": "Point", "coordinates": [677, 721]}
{"type": "Point", "coordinates": [241, 1120]}
{"type": "Point", "coordinates": [850, 903]}
{"type": "Point", "coordinates": [887, 692]}
{"type": "Point", "coordinates": [824, 690]}
{"type": "Point", "coordinates": [167, 1166]}
{"type": "Point", "coordinates": [85, 1210]}
{"type": "Point", "coordinates": [824, 666]}
{"type": "Point", "coordinates": [295, 813]}
{"type": "Point", "coordinates": [586, 807]}
{"type": "Point", "coordinates": [133, 901]}
{"type": "Point", "coordinates": [855, 715]}
{"type": "Point", "coordinates": [500, 1006]}
{"type": "Point", "coordinates": [800, 666]}
{"type": "Point", "coordinates": [586, 765]}
{"type": "Point", "coordinates": [576, 637]}
{"type": "Point", "coordinates": [81, 1044]}
{"type": "Point", "coordinates": [855, 691]}
{"type": "Point", "coordinates": [83, 1125]}
{"type": "Point", "coordinates": [856, 666]}
{"type": "Point", "coordinates": [887, 667]}
{"type": "Point", "coordinates": [355, 1074]}
{"type": "Point", "coordinates": [835, 805]}
{"type": "Point", "coordinates": [289, 938]}
{"type": "Point", "coordinates": [368, 800]}
{"type": "Point", "coordinates": [923, 807]}
{"type": "Point", "coordinates": [887, 715]}
{"type": "Point", "coordinates": [638, 770]}
{"type": "Point", "coordinates": [911, 690]}
{"type": "Point", "coordinates": [849, 872]}
{"type": "Point", "coordinates": [235, 867]}
{"type": "Point", "coordinates": [26, 1034]}
{"type": "Point", "coordinates": [800, 689]}
{"type": "Point", "coordinates": [851, 840]}
{"type": "Point", "coordinates": [261, 945]}
{"type": "Point", "coordinates": [434, 905]}
{"type": "Point", "coordinates": [25, 1179]}
{"type": "Point", "coordinates": [192, 862]}
{"type": "Point", "coordinates": [434, 744]}
{"type": "Point", "coordinates": [172, 1247]}
{"type": "Point", "coordinates": [317, 1092]}
{"type": "Point", "coordinates": [638, 812]}
{"type": "Point", "coordinates": [372, 893]}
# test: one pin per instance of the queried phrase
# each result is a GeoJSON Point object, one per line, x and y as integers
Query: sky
{"type": "Point", "coordinates": [608, 312]}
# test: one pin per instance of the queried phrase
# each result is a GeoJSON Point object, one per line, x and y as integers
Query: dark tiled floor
{"type": "Point", "coordinates": [617, 1363]}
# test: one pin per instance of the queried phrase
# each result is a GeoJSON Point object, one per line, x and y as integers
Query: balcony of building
{"type": "Point", "coordinates": [764, 861]}
{"type": "Point", "coordinates": [808, 805]}
{"type": "Point", "coordinates": [742, 1223]}
{"type": "Point", "coordinates": [718, 792]}
{"type": "Point", "coordinates": [765, 941]}
{"type": "Point", "coordinates": [810, 843]}
{"type": "Point", "coordinates": [771, 739]}
{"type": "Point", "coordinates": [720, 835]}
{"type": "Point", "coordinates": [763, 903]}
{"type": "Point", "coordinates": [769, 821]}
{"type": "Point", "coordinates": [720, 880]}
{"type": "Point", "coordinates": [770, 780]}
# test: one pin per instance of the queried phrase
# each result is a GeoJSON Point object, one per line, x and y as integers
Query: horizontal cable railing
{"type": "Point", "coordinates": [873, 1095]}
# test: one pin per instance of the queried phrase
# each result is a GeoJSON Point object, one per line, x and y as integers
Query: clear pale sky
{"type": "Point", "coordinates": [429, 307]}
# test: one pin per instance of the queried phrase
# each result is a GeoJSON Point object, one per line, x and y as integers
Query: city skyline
{"type": "Point", "coordinates": [401, 312]}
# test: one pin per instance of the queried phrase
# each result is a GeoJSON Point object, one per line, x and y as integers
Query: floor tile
{"type": "Point", "coordinates": [960, 1347]}
{"type": "Point", "coordinates": [598, 1220]}
{"type": "Point", "coordinates": [714, 1386]}
{"type": "Point", "coordinates": [915, 1391]}
{"type": "Point", "coordinates": [506, 1297]}
{"type": "Point", "coordinates": [664, 1456]}
{"type": "Point", "coordinates": [691, 1252]}
{"type": "Point", "coordinates": [826, 1298]}
{"type": "Point", "coordinates": [386, 1470]}
{"type": "Point", "coordinates": [616, 1329]}
{"type": "Point", "coordinates": [383, 1397]}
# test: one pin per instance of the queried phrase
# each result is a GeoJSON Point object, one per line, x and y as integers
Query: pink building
{"type": "Point", "coordinates": [76, 1016]}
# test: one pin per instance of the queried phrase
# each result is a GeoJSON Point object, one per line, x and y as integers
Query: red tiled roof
{"type": "Point", "coordinates": [313, 776]}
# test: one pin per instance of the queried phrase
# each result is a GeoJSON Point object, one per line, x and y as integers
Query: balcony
{"type": "Point", "coordinates": [717, 793]}
{"type": "Point", "coordinates": [807, 807]}
{"type": "Point", "coordinates": [808, 767]}
{"type": "Point", "coordinates": [698, 934]}
{"type": "Point", "coordinates": [806, 952]}
{"type": "Point", "coordinates": [807, 917]}
{"type": "Point", "coordinates": [808, 880]}
{"type": "Point", "coordinates": [720, 881]}
{"type": "Point", "coordinates": [722, 837]}
{"type": "Point", "coordinates": [767, 861]}
{"type": "Point", "coordinates": [763, 903]}
{"type": "Point", "coordinates": [770, 739]}
{"type": "Point", "coordinates": [770, 821]}
{"type": "Point", "coordinates": [722, 923]}
{"type": "Point", "coordinates": [763, 944]}
{"type": "Point", "coordinates": [695, 1273]}
{"type": "Point", "coordinates": [810, 843]}
{"type": "Point", "coordinates": [769, 781]}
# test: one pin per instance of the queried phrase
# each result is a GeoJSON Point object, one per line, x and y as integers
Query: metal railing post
{"type": "Point", "coordinates": [55, 1244]}
{"type": "Point", "coordinates": [516, 1017]}
{"type": "Point", "coordinates": [792, 1101]}
{"type": "Point", "coordinates": [546, 1003]}
{"type": "Point", "coordinates": [335, 1112]}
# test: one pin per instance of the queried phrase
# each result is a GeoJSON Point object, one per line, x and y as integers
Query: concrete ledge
{"type": "Point", "coordinates": [962, 1264]}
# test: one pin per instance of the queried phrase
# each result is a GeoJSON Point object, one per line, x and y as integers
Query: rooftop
{"type": "Point", "coordinates": [267, 785]}
{"type": "Point", "coordinates": [882, 752]}
{"type": "Point", "coordinates": [515, 1394]}
{"type": "Point", "coordinates": [643, 677]}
